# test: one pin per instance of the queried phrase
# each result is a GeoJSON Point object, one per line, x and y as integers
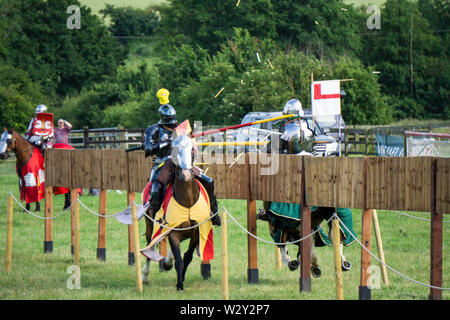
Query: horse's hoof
{"type": "Point", "coordinates": [166, 267]}
{"type": "Point", "coordinates": [316, 272]}
{"type": "Point", "coordinates": [346, 265]}
{"type": "Point", "coordinates": [293, 265]}
{"type": "Point", "coordinates": [180, 288]}
{"type": "Point", "coordinates": [145, 281]}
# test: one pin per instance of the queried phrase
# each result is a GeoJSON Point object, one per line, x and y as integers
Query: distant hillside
{"type": "Point", "coordinates": [97, 5]}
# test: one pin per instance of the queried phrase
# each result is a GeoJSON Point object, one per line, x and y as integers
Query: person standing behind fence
{"type": "Point", "coordinates": [62, 131]}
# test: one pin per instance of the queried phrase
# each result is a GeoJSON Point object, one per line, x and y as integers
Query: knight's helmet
{"type": "Point", "coordinates": [41, 108]}
{"type": "Point", "coordinates": [167, 115]}
{"type": "Point", "coordinates": [293, 106]}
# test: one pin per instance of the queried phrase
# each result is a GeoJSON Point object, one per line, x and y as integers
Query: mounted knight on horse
{"type": "Point", "coordinates": [297, 138]}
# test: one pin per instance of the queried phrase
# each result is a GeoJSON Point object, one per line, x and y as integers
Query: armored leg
{"type": "Point", "coordinates": [208, 183]}
{"type": "Point", "coordinates": [156, 196]}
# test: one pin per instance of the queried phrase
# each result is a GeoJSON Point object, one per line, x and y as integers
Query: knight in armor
{"type": "Point", "coordinates": [41, 141]}
{"type": "Point", "coordinates": [158, 144]}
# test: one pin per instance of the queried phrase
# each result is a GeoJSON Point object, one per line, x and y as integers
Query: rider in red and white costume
{"type": "Point", "coordinates": [46, 138]}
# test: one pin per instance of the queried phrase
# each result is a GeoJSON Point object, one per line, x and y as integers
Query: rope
{"type": "Point", "coordinates": [271, 242]}
{"type": "Point", "coordinates": [101, 215]}
{"type": "Point", "coordinates": [414, 217]}
{"type": "Point", "coordinates": [36, 216]}
{"type": "Point", "coordinates": [390, 268]}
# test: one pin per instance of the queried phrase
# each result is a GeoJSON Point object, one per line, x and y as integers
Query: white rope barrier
{"type": "Point", "coordinates": [415, 217]}
{"type": "Point", "coordinates": [36, 216]}
{"type": "Point", "coordinates": [390, 268]}
{"type": "Point", "coordinates": [271, 242]}
{"type": "Point", "coordinates": [101, 215]}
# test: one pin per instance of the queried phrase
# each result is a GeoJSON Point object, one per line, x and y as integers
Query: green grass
{"type": "Point", "coordinates": [38, 276]}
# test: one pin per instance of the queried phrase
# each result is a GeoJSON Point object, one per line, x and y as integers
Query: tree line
{"type": "Point", "coordinates": [262, 53]}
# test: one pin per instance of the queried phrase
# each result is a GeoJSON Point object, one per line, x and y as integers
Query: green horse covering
{"type": "Point", "coordinates": [289, 215]}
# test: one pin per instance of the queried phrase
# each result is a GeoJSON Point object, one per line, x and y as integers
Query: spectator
{"type": "Point", "coordinates": [62, 131]}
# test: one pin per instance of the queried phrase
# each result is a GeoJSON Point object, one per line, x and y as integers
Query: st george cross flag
{"type": "Point", "coordinates": [326, 98]}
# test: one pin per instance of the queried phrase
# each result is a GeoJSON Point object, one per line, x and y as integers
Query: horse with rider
{"type": "Point", "coordinates": [297, 138]}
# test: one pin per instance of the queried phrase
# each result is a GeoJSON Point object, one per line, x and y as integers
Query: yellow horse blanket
{"type": "Point", "coordinates": [172, 214]}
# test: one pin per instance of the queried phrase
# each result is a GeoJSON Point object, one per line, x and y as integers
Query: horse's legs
{"type": "Point", "coordinates": [346, 265]}
{"type": "Point", "coordinates": [315, 269]}
{"type": "Point", "coordinates": [148, 236]}
{"type": "Point", "coordinates": [187, 258]}
{"type": "Point", "coordinates": [146, 271]}
{"type": "Point", "coordinates": [167, 263]}
{"type": "Point", "coordinates": [38, 206]}
{"type": "Point", "coordinates": [175, 247]}
{"type": "Point", "coordinates": [27, 207]}
{"type": "Point", "coordinates": [284, 255]}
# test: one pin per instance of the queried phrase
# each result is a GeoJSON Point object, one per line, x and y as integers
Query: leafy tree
{"type": "Point", "coordinates": [209, 23]}
{"type": "Point", "coordinates": [129, 21]}
{"type": "Point", "coordinates": [410, 59]}
{"type": "Point", "coordinates": [61, 60]}
{"type": "Point", "coordinates": [19, 97]}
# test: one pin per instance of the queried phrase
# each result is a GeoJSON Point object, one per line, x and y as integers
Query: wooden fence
{"type": "Point", "coordinates": [384, 183]}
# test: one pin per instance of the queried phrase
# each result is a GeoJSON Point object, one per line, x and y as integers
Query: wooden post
{"type": "Point", "coordinates": [86, 137]}
{"type": "Point", "coordinates": [76, 219]}
{"type": "Point", "coordinates": [364, 289]}
{"type": "Point", "coordinates": [73, 199]}
{"type": "Point", "coordinates": [305, 245]}
{"type": "Point", "coordinates": [130, 197]}
{"type": "Point", "coordinates": [366, 237]}
{"type": "Point", "coordinates": [101, 247]}
{"type": "Point", "coordinates": [9, 225]}
{"type": "Point", "coordinates": [225, 295]}
{"type": "Point", "coordinates": [48, 242]}
{"type": "Point", "coordinates": [135, 236]}
{"type": "Point", "coordinates": [336, 238]}
{"type": "Point", "coordinates": [376, 226]}
{"type": "Point", "coordinates": [252, 272]}
{"type": "Point", "coordinates": [278, 257]}
{"type": "Point", "coordinates": [436, 240]}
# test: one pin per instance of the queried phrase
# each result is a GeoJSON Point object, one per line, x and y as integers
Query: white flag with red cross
{"type": "Point", "coordinates": [326, 98]}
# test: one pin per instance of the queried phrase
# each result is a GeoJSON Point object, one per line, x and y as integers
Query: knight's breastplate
{"type": "Point", "coordinates": [296, 137]}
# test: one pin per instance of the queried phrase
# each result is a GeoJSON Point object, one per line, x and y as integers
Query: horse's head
{"type": "Point", "coordinates": [7, 143]}
{"type": "Point", "coordinates": [183, 153]}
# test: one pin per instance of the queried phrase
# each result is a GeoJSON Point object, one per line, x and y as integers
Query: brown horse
{"type": "Point", "coordinates": [186, 193]}
{"type": "Point", "coordinates": [11, 141]}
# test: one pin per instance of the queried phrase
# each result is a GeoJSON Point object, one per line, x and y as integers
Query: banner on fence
{"type": "Point", "coordinates": [390, 146]}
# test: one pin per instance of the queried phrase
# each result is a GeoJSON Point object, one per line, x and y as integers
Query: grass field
{"type": "Point", "coordinates": [38, 276]}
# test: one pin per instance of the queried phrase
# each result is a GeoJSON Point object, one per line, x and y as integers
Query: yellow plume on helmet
{"type": "Point", "coordinates": [163, 96]}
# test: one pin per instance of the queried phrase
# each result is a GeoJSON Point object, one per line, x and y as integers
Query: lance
{"type": "Point", "coordinates": [201, 134]}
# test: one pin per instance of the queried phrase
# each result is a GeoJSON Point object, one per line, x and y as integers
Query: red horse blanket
{"type": "Point", "coordinates": [32, 178]}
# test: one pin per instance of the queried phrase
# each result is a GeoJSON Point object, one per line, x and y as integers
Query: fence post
{"type": "Point", "coordinates": [225, 295]}
{"type": "Point", "coordinates": [73, 199]}
{"type": "Point", "coordinates": [252, 271]}
{"type": "Point", "coordinates": [85, 137]}
{"type": "Point", "coordinates": [436, 240]}
{"type": "Point", "coordinates": [76, 220]}
{"type": "Point", "coordinates": [137, 261]}
{"type": "Point", "coordinates": [101, 247]}
{"type": "Point", "coordinates": [364, 288]}
{"type": "Point", "coordinates": [336, 238]}
{"type": "Point", "coordinates": [131, 197]}
{"type": "Point", "coordinates": [305, 245]}
{"type": "Point", "coordinates": [376, 227]}
{"type": "Point", "coordinates": [9, 225]}
{"type": "Point", "coordinates": [48, 242]}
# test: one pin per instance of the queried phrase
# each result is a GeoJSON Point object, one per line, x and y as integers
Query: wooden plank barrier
{"type": "Point", "coordinates": [382, 183]}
